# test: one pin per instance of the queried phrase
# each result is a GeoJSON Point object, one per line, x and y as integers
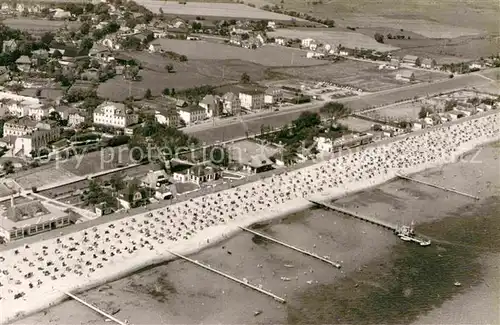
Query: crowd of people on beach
{"type": "Point", "coordinates": [87, 255]}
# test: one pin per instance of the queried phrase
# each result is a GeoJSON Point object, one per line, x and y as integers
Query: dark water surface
{"type": "Point", "coordinates": [412, 279]}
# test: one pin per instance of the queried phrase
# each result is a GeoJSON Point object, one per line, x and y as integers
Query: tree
{"type": "Point", "coordinates": [166, 92]}
{"type": "Point", "coordinates": [424, 112]}
{"type": "Point", "coordinates": [131, 72]}
{"type": "Point", "coordinates": [245, 78]}
{"type": "Point", "coordinates": [85, 28]}
{"type": "Point", "coordinates": [16, 87]}
{"type": "Point", "coordinates": [219, 156]}
{"type": "Point", "coordinates": [57, 54]}
{"type": "Point", "coordinates": [47, 38]}
{"type": "Point", "coordinates": [148, 94]}
{"type": "Point", "coordinates": [418, 62]}
{"type": "Point", "coordinates": [86, 43]}
{"type": "Point", "coordinates": [8, 167]}
{"type": "Point", "coordinates": [334, 110]}
{"type": "Point", "coordinates": [169, 67]}
{"type": "Point", "coordinates": [379, 37]}
{"type": "Point", "coordinates": [117, 182]}
{"type": "Point", "coordinates": [289, 155]}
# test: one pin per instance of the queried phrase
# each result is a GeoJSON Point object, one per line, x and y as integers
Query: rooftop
{"type": "Point", "coordinates": [29, 213]}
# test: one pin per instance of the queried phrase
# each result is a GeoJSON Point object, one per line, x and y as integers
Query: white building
{"type": "Point", "coordinates": [280, 41]}
{"type": "Point", "coordinates": [114, 115]}
{"type": "Point", "coordinates": [306, 42]}
{"type": "Point", "coordinates": [75, 119]}
{"type": "Point", "coordinates": [252, 99]}
{"type": "Point", "coordinates": [27, 135]}
{"type": "Point", "coordinates": [18, 105]}
{"type": "Point", "coordinates": [211, 104]}
{"type": "Point", "coordinates": [31, 218]}
{"type": "Point", "coordinates": [170, 118]}
{"type": "Point", "coordinates": [231, 104]}
{"type": "Point", "coordinates": [273, 96]}
{"type": "Point", "coordinates": [324, 144]}
{"type": "Point", "coordinates": [192, 114]}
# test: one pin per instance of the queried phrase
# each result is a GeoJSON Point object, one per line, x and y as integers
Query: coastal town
{"type": "Point", "coordinates": [135, 132]}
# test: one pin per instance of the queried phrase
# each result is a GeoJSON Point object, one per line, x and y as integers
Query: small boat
{"type": "Point", "coordinates": [457, 284]}
{"type": "Point", "coordinates": [257, 313]}
{"type": "Point", "coordinates": [405, 238]}
{"type": "Point", "coordinates": [285, 278]}
{"type": "Point", "coordinates": [288, 265]}
{"type": "Point", "coordinates": [425, 243]}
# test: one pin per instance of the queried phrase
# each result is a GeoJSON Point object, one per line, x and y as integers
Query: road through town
{"type": "Point", "coordinates": [228, 129]}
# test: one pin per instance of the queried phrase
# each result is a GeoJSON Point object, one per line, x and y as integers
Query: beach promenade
{"type": "Point", "coordinates": [30, 275]}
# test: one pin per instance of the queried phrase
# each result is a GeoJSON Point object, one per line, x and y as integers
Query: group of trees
{"type": "Point", "coordinates": [166, 141]}
{"type": "Point", "coordinates": [334, 110]}
{"type": "Point", "coordinates": [328, 22]}
{"type": "Point", "coordinates": [379, 37]}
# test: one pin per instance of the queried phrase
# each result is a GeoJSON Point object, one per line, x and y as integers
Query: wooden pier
{"type": "Point", "coordinates": [437, 186]}
{"type": "Point", "coordinates": [270, 294]}
{"type": "Point", "coordinates": [114, 319]}
{"type": "Point", "coordinates": [371, 220]}
{"type": "Point", "coordinates": [337, 265]}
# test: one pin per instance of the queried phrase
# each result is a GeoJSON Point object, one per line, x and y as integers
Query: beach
{"type": "Point", "coordinates": [189, 226]}
{"type": "Point", "coordinates": [178, 292]}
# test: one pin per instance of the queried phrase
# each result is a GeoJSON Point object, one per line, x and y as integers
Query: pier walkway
{"type": "Point", "coordinates": [437, 186]}
{"type": "Point", "coordinates": [245, 283]}
{"type": "Point", "coordinates": [371, 220]}
{"type": "Point", "coordinates": [337, 265]}
{"type": "Point", "coordinates": [114, 319]}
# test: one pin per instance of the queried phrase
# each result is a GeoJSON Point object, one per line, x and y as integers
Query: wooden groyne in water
{"type": "Point", "coordinates": [337, 265]}
{"type": "Point", "coordinates": [245, 283]}
{"type": "Point", "coordinates": [371, 220]}
{"type": "Point", "coordinates": [94, 308]}
{"type": "Point", "coordinates": [437, 186]}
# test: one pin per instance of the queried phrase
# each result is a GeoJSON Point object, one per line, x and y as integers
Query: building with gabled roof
{"type": "Point", "coordinates": [114, 115]}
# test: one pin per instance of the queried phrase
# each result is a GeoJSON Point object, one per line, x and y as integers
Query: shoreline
{"type": "Point", "coordinates": [218, 233]}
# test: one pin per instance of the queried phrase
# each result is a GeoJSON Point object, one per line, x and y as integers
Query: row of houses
{"type": "Point", "coordinates": [228, 104]}
{"type": "Point", "coordinates": [449, 116]}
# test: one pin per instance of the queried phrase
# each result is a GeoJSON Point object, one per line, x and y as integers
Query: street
{"type": "Point", "coordinates": [233, 128]}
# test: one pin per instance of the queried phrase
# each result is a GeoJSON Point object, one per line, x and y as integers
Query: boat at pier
{"type": "Point", "coordinates": [407, 233]}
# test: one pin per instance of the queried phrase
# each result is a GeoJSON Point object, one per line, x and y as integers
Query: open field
{"type": "Point", "coordinates": [358, 74]}
{"type": "Point", "coordinates": [334, 38]}
{"type": "Point", "coordinates": [356, 124]}
{"type": "Point", "coordinates": [431, 18]}
{"type": "Point", "coordinates": [447, 51]}
{"type": "Point", "coordinates": [400, 112]}
{"type": "Point", "coordinates": [191, 74]}
{"type": "Point", "coordinates": [269, 55]}
{"type": "Point", "coordinates": [419, 26]}
{"type": "Point", "coordinates": [228, 10]}
{"type": "Point", "coordinates": [38, 25]}
{"type": "Point", "coordinates": [43, 175]}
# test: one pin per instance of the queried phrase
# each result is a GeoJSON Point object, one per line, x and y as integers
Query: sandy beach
{"type": "Point", "coordinates": [180, 293]}
{"type": "Point", "coordinates": [33, 277]}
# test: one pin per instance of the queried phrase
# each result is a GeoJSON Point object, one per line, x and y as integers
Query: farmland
{"type": "Point", "coordinates": [187, 75]}
{"type": "Point", "coordinates": [398, 112]}
{"type": "Point", "coordinates": [334, 38]}
{"type": "Point", "coordinates": [270, 55]}
{"type": "Point", "coordinates": [357, 74]}
{"type": "Point", "coordinates": [38, 25]}
{"type": "Point", "coordinates": [431, 18]}
{"type": "Point", "coordinates": [218, 10]}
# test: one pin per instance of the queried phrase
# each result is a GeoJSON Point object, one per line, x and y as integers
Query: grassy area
{"type": "Point", "coordinates": [416, 280]}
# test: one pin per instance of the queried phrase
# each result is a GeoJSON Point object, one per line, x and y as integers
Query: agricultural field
{"type": "Point", "coordinates": [428, 18]}
{"type": "Point", "coordinates": [363, 75]}
{"type": "Point", "coordinates": [447, 51]}
{"type": "Point", "coordinates": [43, 175]}
{"type": "Point", "coordinates": [38, 25]}
{"type": "Point", "coordinates": [187, 75]}
{"type": "Point", "coordinates": [218, 10]}
{"type": "Point", "coordinates": [334, 38]}
{"type": "Point", "coordinates": [269, 55]}
{"type": "Point", "coordinates": [397, 112]}
{"type": "Point", "coordinates": [356, 124]}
